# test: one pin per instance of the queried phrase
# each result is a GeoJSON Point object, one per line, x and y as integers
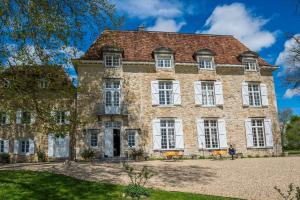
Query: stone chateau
{"type": "Point", "coordinates": [160, 91]}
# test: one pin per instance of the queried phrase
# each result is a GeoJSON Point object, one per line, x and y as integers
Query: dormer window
{"type": "Point", "coordinates": [205, 62]}
{"type": "Point", "coordinates": [250, 64]}
{"type": "Point", "coordinates": [164, 58]}
{"type": "Point", "coordinates": [43, 83]}
{"type": "Point", "coordinates": [112, 60]}
{"type": "Point", "coordinates": [164, 61]}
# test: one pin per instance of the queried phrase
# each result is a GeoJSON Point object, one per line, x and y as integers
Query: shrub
{"type": "Point", "coordinates": [4, 157]}
{"type": "Point", "coordinates": [138, 179]}
{"type": "Point", "coordinates": [88, 154]}
{"type": "Point", "coordinates": [201, 157]}
{"type": "Point", "coordinates": [137, 154]}
{"type": "Point", "coordinates": [41, 155]}
{"type": "Point", "coordinates": [257, 156]}
{"type": "Point", "coordinates": [293, 192]}
{"type": "Point", "coordinates": [136, 191]}
{"type": "Point", "coordinates": [266, 156]}
{"type": "Point", "coordinates": [250, 156]}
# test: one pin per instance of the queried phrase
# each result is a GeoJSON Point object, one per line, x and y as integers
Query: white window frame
{"type": "Point", "coordinates": [208, 130]}
{"type": "Point", "coordinates": [208, 95]}
{"type": "Point", "coordinates": [251, 64]}
{"type": "Point", "coordinates": [253, 95]}
{"type": "Point", "coordinates": [113, 100]}
{"type": "Point", "coordinates": [115, 60]}
{"type": "Point", "coordinates": [168, 129]}
{"type": "Point", "coordinates": [60, 117]}
{"type": "Point", "coordinates": [131, 138]}
{"type": "Point", "coordinates": [165, 93]}
{"type": "Point", "coordinates": [43, 83]}
{"type": "Point", "coordinates": [255, 133]}
{"type": "Point", "coordinates": [93, 137]}
{"type": "Point", "coordinates": [206, 60]}
{"type": "Point", "coordinates": [167, 61]}
{"type": "Point", "coordinates": [23, 117]}
{"type": "Point", "coordinates": [27, 146]}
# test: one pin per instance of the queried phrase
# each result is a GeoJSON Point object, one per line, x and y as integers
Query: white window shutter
{"type": "Point", "coordinates": [16, 146]}
{"type": "Point", "coordinates": [264, 94]}
{"type": "Point", "coordinates": [219, 93]}
{"type": "Point", "coordinates": [201, 133]}
{"type": "Point", "coordinates": [19, 116]}
{"type": "Point", "coordinates": [50, 145]}
{"type": "Point", "coordinates": [67, 145]}
{"type": "Point", "coordinates": [7, 119]}
{"type": "Point", "coordinates": [245, 94]}
{"type": "Point", "coordinates": [68, 114]}
{"type": "Point", "coordinates": [6, 146]}
{"type": "Point", "coordinates": [156, 134]}
{"type": "Point", "coordinates": [268, 132]}
{"type": "Point", "coordinates": [88, 138]}
{"type": "Point", "coordinates": [179, 134]}
{"type": "Point", "coordinates": [198, 93]}
{"type": "Point", "coordinates": [249, 135]}
{"type": "Point", "coordinates": [176, 93]}
{"type": "Point", "coordinates": [32, 118]}
{"type": "Point", "coordinates": [31, 146]}
{"type": "Point", "coordinates": [222, 133]}
{"type": "Point", "coordinates": [155, 92]}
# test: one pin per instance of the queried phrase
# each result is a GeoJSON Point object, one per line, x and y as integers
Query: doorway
{"type": "Point", "coordinates": [117, 142]}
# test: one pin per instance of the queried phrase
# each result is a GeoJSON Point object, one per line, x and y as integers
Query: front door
{"type": "Point", "coordinates": [117, 142]}
{"type": "Point", "coordinates": [108, 143]}
{"type": "Point", "coordinates": [61, 147]}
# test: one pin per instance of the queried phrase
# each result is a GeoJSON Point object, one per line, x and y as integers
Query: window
{"type": "Point", "coordinates": [93, 136]}
{"type": "Point", "coordinates": [6, 83]}
{"type": "Point", "coordinates": [26, 116]}
{"type": "Point", "coordinates": [131, 138]}
{"type": "Point", "coordinates": [167, 129]}
{"type": "Point", "coordinates": [60, 117]}
{"type": "Point", "coordinates": [25, 146]}
{"type": "Point", "coordinates": [258, 132]}
{"type": "Point", "coordinates": [208, 94]}
{"type": "Point", "coordinates": [254, 94]}
{"type": "Point", "coordinates": [250, 64]}
{"type": "Point", "coordinates": [2, 118]}
{"type": "Point", "coordinates": [165, 89]}
{"type": "Point", "coordinates": [113, 60]}
{"type": "Point", "coordinates": [1, 146]}
{"type": "Point", "coordinates": [211, 134]}
{"type": "Point", "coordinates": [164, 61]}
{"type": "Point", "coordinates": [205, 63]}
{"type": "Point", "coordinates": [112, 93]}
{"type": "Point", "coordinates": [43, 83]}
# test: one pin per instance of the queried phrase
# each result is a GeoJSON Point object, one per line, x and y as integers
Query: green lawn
{"type": "Point", "coordinates": [43, 185]}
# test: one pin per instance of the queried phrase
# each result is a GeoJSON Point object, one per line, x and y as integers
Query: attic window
{"type": "Point", "coordinates": [164, 61]}
{"type": "Point", "coordinates": [205, 62]}
{"type": "Point", "coordinates": [250, 64]}
{"type": "Point", "coordinates": [112, 60]}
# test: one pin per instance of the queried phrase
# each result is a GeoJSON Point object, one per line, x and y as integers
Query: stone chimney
{"type": "Point", "coordinates": [141, 28]}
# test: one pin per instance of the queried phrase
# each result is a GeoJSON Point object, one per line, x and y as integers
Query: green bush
{"type": "Point", "coordinates": [136, 191]}
{"type": "Point", "coordinates": [201, 157]}
{"type": "Point", "coordinates": [250, 156]}
{"type": "Point", "coordinates": [88, 154]}
{"type": "Point", "coordinates": [137, 154]}
{"type": "Point", "coordinates": [41, 155]}
{"type": "Point", "coordinates": [257, 156]}
{"type": "Point", "coordinates": [4, 157]}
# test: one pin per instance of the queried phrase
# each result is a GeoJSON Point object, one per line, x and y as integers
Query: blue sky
{"type": "Point", "coordinates": [262, 25]}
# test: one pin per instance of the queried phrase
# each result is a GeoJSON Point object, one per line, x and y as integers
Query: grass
{"type": "Point", "coordinates": [293, 152]}
{"type": "Point", "coordinates": [17, 185]}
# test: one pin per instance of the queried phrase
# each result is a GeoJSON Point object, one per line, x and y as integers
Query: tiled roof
{"type": "Point", "coordinates": [139, 45]}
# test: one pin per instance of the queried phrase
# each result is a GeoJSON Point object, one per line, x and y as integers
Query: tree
{"type": "Point", "coordinates": [41, 31]}
{"type": "Point", "coordinates": [284, 117]}
{"type": "Point", "coordinates": [292, 133]}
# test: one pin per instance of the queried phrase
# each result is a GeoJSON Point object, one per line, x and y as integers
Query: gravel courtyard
{"type": "Point", "coordinates": [253, 178]}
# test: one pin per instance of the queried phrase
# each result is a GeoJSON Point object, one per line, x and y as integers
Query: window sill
{"type": "Point", "coordinates": [259, 148]}
{"type": "Point", "coordinates": [163, 150]}
{"type": "Point", "coordinates": [164, 68]}
{"type": "Point", "coordinates": [166, 106]}
{"type": "Point", "coordinates": [206, 69]}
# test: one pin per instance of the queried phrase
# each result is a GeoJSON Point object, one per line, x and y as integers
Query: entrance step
{"type": "Point", "coordinates": [114, 160]}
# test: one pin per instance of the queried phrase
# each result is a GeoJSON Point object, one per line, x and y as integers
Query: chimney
{"type": "Point", "coordinates": [141, 28]}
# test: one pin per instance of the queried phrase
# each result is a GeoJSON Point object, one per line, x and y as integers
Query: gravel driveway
{"type": "Point", "coordinates": [253, 178]}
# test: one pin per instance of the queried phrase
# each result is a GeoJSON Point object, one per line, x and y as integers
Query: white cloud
{"type": "Point", "coordinates": [235, 20]}
{"type": "Point", "coordinates": [166, 25]}
{"type": "Point", "coordinates": [290, 93]}
{"type": "Point", "coordinates": [149, 8]}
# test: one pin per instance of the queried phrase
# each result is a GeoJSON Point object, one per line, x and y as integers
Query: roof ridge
{"type": "Point", "coordinates": [175, 33]}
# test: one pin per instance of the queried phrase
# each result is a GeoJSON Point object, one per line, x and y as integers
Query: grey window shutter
{"type": "Point", "coordinates": [31, 146]}
{"type": "Point", "coordinates": [156, 134]}
{"type": "Point", "coordinates": [201, 133]}
{"type": "Point", "coordinates": [249, 134]}
{"type": "Point", "coordinates": [268, 132]}
{"type": "Point", "coordinates": [264, 94]}
{"type": "Point", "coordinates": [50, 145]}
{"type": "Point", "coordinates": [68, 115]}
{"type": "Point", "coordinates": [219, 93]}
{"type": "Point", "coordinates": [67, 145]}
{"type": "Point", "coordinates": [198, 93]}
{"type": "Point", "coordinates": [222, 133]}
{"type": "Point", "coordinates": [32, 118]}
{"type": "Point", "coordinates": [6, 146]}
{"type": "Point", "coordinates": [155, 92]}
{"type": "Point", "coordinates": [19, 116]}
{"type": "Point", "coordinates": [7, 119]}
{"type": "Point", "coordinates": [176, 93]}
{"type": "Point", "coordinates": [179, 134]}
{"type": "Point", "coordinates": [16, 146]}
{"type": "Point", "coordinates": [245, 94]}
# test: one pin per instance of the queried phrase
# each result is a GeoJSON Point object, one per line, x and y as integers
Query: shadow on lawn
{"type": "Point", "coordinates": [35, 185]}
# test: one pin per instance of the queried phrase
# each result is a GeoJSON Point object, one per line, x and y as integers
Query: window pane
{"type": "Point", "coordinates": [165, 93]}
{"type": "Point", "coordinates": [211, 134]}
{"type": "Point", "coordinates": [254, 95]}
{"type": "Point", "coordinates": [164, 61]}
{"type": "Point", "coordinates": [168, 140]}
{"type": "Point", "coordinates": [258, 133]}
{"type": "Point", "coordinates": [1, 146]}
{"type": "Point", "coordinates": [208, 93]}
{"type": "Point", "coordinates": [131, 139]}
